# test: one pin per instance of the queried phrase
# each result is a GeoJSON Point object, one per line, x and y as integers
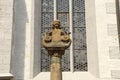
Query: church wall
{"type": "Point", "coordinates": [6, 16]}
{"type": "Point", "coordinates": [36, 28]}
{"type": "Point", "coordinates": [91, 33]}
{"type": "Point", "coordinates": [102, 60]}
{"type": "Point", "coordinates": [102, 41]}
{"type": "Point", "coordinates": [107, 38]}
{"type": "Point", "coordinates": [21, 40]}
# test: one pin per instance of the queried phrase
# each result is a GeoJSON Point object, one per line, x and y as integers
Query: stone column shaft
{"type": "Point", "coordinates": [56, 41]}
{"type": "Point", "coordinates": [56, 73]}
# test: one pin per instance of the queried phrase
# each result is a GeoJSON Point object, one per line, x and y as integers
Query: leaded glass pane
{"type": "Point", "coordinates": [45, 66]}
{"type": "Point", "coordinates": [64, 19]}
{"type": "Point", "coordinates": [47, 5]}
{"type": "Point", "coordinates": [78, 19]}
{"type": "Point", "coordinates": [80, 60]}
{"type": "Point", "coordinates": [79, 33]}
{"type": "Point", "coordinates": [63, 5]}
{"type": "Point", "coordinates": [78, 5]}
{"type": "Point", "coordinates": [66, 61]}
{"type": "Point", "coordinates": [47, 19]}
{"type": "Point", "coordinates": [80, 49]}
{"type": "Point", "coordinates": [63, 16]}
{"type": "Point", "coordinates": [46, 25]}
{"type": "Point", "coordinates": [79, 36]}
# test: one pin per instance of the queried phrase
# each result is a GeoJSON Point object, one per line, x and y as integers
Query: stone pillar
{"type": "Point", "coordinates": [56, 73]}
{"type": "Point", "coordinates": [56, 41]}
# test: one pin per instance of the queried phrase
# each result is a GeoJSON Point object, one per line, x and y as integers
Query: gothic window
{"type": "Point", "coordinates": [75, 57]}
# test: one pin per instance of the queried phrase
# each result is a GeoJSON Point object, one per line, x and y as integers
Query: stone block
{"type": "Point", "coordinates": [110, 8]}
{"type": "Point", "coordinates": [114, 52]}
{"type": "Point", "coordinates": [1, 59]}
{"type": "Point", "coordinates": [6, 12]}
{"type": "Point", "coordinates": [115, 74]}
{"type": "Point", "coordinates": [112, 29]}
{"type": "Point", "coordinates": [4, 68]}
{"type": "Point", "coordinates": [6, 59]}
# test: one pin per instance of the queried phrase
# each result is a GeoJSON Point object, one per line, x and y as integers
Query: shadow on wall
{"type": "Point", "coordinates": [18, 45]}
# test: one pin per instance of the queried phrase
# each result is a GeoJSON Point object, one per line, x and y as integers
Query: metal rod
{"type": "Point", "coordinates": [55, 9]}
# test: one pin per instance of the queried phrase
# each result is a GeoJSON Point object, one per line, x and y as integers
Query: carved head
{"type": "Point", "coordinates": [56, 24]}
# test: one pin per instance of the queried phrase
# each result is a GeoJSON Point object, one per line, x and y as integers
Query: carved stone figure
{"type": "Point", "coordinates": [56, 41]}
{"type": "Point", "coordinates": [56, 38]}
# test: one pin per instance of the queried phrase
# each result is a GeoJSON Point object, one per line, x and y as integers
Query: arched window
{"type": "Point", "coordinates": [71, 14]}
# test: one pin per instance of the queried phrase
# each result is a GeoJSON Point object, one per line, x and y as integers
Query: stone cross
{"type": "Point", "coordinates": [56, 41]}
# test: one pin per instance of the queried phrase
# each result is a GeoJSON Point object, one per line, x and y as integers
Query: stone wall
{"type": "Point", "coordinates": [22, 37]}
{"type": "Point", "coordinates": [102, 41]}
{"type": "Point", "coordinates": [107, 36]}
{"type": "Point", "coordinates": [6, 20]}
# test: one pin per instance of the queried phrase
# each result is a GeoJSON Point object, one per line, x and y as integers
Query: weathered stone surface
{"type": "Point", "coordinates": [110, 8]}
{"type": "Point", "coordinates": [56, 41]}
{"type": "Point", "coordinates": [115, 74]}
{"type": "Point", "coordinates": [114, 52]}
{"type": "Point", "coordinates": [112, 29]}
{"type": "Point", "coordinates": [6, 17]}
{"type": "Point", "coordinates": [99, 14]}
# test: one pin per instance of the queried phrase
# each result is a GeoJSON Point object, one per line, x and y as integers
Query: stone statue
{"type": "Point", "coordinates": [56, 38]}
{"type": "Point", "coordinates": [56, 41]}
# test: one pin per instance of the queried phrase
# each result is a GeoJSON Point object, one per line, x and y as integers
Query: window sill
{"type": "Point", "coordinates": [6, 76]}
